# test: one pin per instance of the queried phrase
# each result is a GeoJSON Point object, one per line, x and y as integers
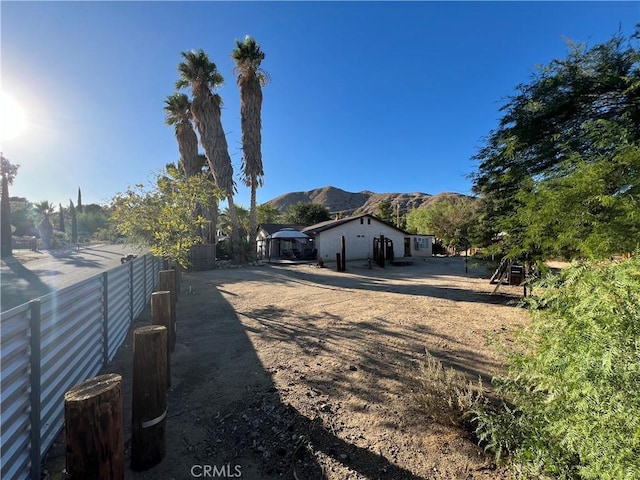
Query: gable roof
{"type": "Point", "coordinates": [329, 224]}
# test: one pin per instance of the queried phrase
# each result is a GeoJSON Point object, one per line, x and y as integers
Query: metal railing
{"type": "Point", "coordinates": [55, 342]}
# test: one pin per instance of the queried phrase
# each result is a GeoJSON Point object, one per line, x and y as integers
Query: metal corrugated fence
{"type": "Point", "coordinates": [53, 343]}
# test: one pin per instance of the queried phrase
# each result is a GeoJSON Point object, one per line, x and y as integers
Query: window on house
{"type": "Point", "coordinates": [368, 221]}
{"type": "Point", "coordinates": [361, 221]}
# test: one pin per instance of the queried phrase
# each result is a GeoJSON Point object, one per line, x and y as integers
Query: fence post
{"type": "Point", "coordinates": [105, 319]}
{"type": "Point", "coordinates": [168, 283]}
{"type": "Point", "coordinates": [161, 315]}
{"type": "Point", "coordinates": [94, 429]}
{"type": "Point", "coordinates": [149, 396]}
{"type": "Point", "coordinates": [34, 306]}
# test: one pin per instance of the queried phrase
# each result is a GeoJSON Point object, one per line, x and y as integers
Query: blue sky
{"type": "Point", "coordinates": [380, 96]}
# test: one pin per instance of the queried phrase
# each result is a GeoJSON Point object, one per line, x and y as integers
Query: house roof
{"type": "Point", "coordinates": [329, 224]}
{"type": "Point", "coordinates": [271, 228]}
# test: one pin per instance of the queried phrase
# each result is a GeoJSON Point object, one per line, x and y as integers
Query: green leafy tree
{"type": "Point", "coordinates": [22, 217]}
{"type": "Point", "coordinates": [385, 211]}
{"type": "Point", "coordinates": [251, 77]}
{"type": "Point", "coordinates": [575, 112]}
{"type": "Point", "coordinates": [8, 173]}
{"type": "Point", "coordinates": [302, 213]}
{"type": "Point", "coordinates": [267, 213]}
{"type": "Point", "coordinates": [79, 205]}
{"type": "Point", "coordinates": [162, 217]}
{"type": "Point", "coordinates": [570, 398]}
{"type": "Point", "coordinates": [450, 219]}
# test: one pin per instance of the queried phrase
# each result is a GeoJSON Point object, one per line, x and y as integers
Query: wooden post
{"type": "Point", "coordinates": [168, 283]}
{"type": "Point", "coordinates": [94, 429]}
{"type": "Point", "coordinates": [338, 262]}
{"type": "Point", "coordinates": [149, 396]}
{"type": "Point", "coordinates": [343, 253]}
{"type": "Point", "coordinates": [161, 315]}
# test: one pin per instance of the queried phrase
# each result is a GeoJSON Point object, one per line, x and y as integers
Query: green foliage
{"type": "Point", "coordinates": [267, 213]}
{"type": "Point", "coordinates": [302, 213]}
{"type": "Point", "coordinates": [74, 223]}
{"type": "Point", "coordinates": [22, 217]}
{"type": "Point", "coordinates": [90, 222]}
{"type": "Point", "coordinates": [163, 218]}
{"type": "Point", "coordinates": [384, 210]}
{"type": "Point", "coordinates": [572, 398]}
{"type": "Point", "coordinates": [449, 219]}
{"type": "Point", "coordinates": [562, 163]}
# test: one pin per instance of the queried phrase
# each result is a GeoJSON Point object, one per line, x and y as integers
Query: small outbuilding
{"type": "Point", "coordinates": [278, 242]}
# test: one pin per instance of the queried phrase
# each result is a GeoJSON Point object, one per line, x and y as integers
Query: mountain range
{"type": "Point", "coordinates": [348, 203]}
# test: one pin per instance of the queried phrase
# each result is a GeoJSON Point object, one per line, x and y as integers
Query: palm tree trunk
{"type": "Point", "coordinates": [206, 112]}
{"type": "Point", "coordinates": [253, 219]}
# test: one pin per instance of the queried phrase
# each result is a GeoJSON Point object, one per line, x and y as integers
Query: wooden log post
{"type": "Point", "coordinates": [167, 282]}
{"type": "Point", "coordinates": [343, 254]}
{"type": "Point", "coordinates": [161, 315]}
{"type": "Point", "coordinates": [338, 262]}
{"type": "Point", "coordinates": [94, 429]}
{"type": "Point", "coordinates": [149, 396]}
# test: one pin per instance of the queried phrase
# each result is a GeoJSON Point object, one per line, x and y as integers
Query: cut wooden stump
{"type": "Point", "coordinates": [149, 396]}
{"type": "Point", "coordinates": [94, 426]}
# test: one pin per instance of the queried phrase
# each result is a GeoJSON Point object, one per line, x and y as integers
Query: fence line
{"type": "Point", "coordinates": [55, 342]}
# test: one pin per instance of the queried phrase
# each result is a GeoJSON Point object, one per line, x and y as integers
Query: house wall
{"type": "Point", "coordinates": [422, 245]}
{"type": "Point", "coordinates": [358, 239]}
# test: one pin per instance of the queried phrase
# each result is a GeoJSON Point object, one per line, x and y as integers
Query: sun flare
{"type": "Point", "coordinates": [12, 117]}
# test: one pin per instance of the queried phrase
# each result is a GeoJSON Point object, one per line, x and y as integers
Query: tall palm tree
{"type": "Point", "coordinates": [201, 74]}
{"type": "Point", "coordinates": [177, 109]}
{"type": "Point", "coordinates": [251, 78]}
{"type": "Point", "coordinates": [45, 227]}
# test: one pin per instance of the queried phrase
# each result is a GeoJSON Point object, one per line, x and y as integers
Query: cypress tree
{"type": "Point", "coordinates": [79, 201]}
{"type": "Point", "coordinates": [74, 223]}
{"type": "Point", "coordinates": [61, 224]}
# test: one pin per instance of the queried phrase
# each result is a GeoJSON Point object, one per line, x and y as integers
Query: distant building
{"type": "Point", "coordinates": [361, 232]}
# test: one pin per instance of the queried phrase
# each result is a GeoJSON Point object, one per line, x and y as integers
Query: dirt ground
{"type": "Point", "coordinates": [297, 372]}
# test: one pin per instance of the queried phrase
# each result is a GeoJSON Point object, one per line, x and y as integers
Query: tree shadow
{"type": "Point", "coordinates": [20, 285]}
{"type": "Point", "coordinates": [224, 408]}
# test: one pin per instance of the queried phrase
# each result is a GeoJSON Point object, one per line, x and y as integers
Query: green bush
{"type": "Point", "coordinates": [571, 401]}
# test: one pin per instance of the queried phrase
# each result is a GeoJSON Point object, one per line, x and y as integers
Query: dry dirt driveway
{"type": "Point", "coordinates": [297, 372]}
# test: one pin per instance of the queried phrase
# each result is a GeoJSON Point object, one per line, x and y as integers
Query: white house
{"type": "Point", "coordinates": [361, 232]}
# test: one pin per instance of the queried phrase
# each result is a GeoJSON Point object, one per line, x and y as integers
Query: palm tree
{"type": "Point", "coordinates": [45, 227]}
{"type": "Point", "coordinates": [251, 78]}
{"type": "Point", "coordinates": [177, 108]}
{"type": "Point", "coordinates": [201, 74]}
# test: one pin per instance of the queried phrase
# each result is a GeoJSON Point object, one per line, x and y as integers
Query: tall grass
{"type": "Point", "coordinates": [571, 403]}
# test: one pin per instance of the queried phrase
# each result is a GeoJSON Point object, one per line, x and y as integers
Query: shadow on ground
{"type": "Point", "coordinates": [225, 410]}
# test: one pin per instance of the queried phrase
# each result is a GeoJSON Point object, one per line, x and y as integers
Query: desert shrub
{"type": "Point", "coordinates": [571, 402]}
{"type": "Point", "coordinates": [446, 394]}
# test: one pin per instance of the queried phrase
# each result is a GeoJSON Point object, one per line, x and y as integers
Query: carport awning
{"type": "Point", "coordinates": [289, 233]}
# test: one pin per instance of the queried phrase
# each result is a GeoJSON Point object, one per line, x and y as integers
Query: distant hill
{"type": "Point", "coordinates": [337, 200]}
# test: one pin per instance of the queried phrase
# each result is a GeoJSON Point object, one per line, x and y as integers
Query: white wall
{"type": "Point", "coordinates": [358, 239]}
{"type": "Point", "coordinates": [425, 242]}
